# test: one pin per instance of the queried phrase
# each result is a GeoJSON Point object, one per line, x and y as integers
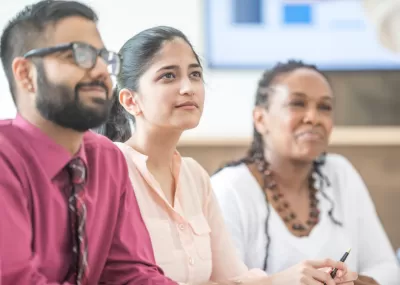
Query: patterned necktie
{"type": "Point", "coordinates": [77, 214]}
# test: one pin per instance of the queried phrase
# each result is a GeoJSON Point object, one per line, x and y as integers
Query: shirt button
{"type": "Point", "coordinates": [182, 227]}
{"type": "Point", "coordinates": [191, 261]}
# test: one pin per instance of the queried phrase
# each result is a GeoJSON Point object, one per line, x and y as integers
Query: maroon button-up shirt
{"type": "Point", "coordinates": [35, 240]}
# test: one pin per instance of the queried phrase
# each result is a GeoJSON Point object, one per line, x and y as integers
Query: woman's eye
{"type": "Point", "coordinates": [168, 75]}
{"type": "Point", "coordinates": [197, 74]}
{"type": "Point", "coordinates": [326, 107]}
{"type": "Point", "coordinates": [297, 103]}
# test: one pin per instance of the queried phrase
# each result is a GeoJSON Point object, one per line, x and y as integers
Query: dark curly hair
{"type": "Point", "coordinates": [256, 151]}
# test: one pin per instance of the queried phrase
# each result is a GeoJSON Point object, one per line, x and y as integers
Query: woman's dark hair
{"type": "Point", "coordinates": [138, 54]}
{"type": "Point", "coordinates": [256, 151]}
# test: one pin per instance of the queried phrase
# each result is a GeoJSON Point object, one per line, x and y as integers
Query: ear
{"type": "Point", "coordinates": [25, 74]}
{"type": "Point", "coordinates": [260, 119]}
{"type": "Point", "coordinates": [128, 100]}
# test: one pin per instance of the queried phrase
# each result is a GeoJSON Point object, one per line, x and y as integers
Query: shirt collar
{"type": "Point", "coordinates": [53, 156]}
{"type": "Point", "coordinates": [140, 161]}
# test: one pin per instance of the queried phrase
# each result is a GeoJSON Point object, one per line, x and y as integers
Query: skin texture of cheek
{"type": "Point", "coordinates": [70, 76]}
{"type": "Point", "coordinates": [161, 110]}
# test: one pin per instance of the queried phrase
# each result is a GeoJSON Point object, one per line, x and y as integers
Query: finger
{"type": "Point", "coordinates": [319, 275]}
{"type": "Point", "coordinates": [307, 280]}
{"type": "Point", "coordinates": [344, 281]}
{"type": "Point", "coordinates": [326, 269]}
{"type": "Point", "coordinates": [353, 282]}
{"type": "Point", "coordinates": [350, 276]}
{"type": "Point", "coordinates": [327, 263]}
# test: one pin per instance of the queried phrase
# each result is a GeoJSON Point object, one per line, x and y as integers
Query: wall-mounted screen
{"type": "Point", "coordinates": [255, 34]}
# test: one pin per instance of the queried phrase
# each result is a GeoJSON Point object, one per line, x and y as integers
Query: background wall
{"type": "Point", "coordinates": [121, 19]}
{"type": "Point", "coordinates": [229, 92]}
{"type": "Point", "coordinates": [362, 99]}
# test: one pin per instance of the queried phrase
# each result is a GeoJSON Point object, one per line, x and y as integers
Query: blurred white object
{"type": "Point", "coordinates": [398, 254]}
{"type": "Point", "coordinates": [385, 15]}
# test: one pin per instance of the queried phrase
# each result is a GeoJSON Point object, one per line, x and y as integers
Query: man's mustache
{"type": "Point", "coordinates": [96, 83]}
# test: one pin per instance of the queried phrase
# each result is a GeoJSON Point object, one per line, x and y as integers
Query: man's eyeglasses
{"type": "Point", "coordinates": [85, 55]}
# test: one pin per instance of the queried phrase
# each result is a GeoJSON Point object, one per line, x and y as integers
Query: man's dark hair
{"type": "Point", "coordinates": [27, 30]}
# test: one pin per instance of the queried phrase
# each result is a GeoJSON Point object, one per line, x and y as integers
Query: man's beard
{"type": "Point", "coordinates": [62, 105]}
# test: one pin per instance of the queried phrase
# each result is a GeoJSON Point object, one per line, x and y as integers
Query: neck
{"type": "Point", "coordinates": [69, 139]}
{"type": "Point", "coordinates": [288, 174]}
{"type": "Point", "coordinates": [158, 145]}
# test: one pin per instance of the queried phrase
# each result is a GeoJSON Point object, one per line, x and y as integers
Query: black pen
{"type": "Point", "coordinates": [343, 259]}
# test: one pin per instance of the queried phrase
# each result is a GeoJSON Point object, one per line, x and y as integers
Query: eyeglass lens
{"type": "Point", "coordinates": [86, 57]}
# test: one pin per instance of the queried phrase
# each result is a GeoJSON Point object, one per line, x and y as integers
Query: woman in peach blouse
{"type": "Point", "coordinates": [161, 90]}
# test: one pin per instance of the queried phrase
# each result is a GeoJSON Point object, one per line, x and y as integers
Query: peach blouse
{"type": "Point", "coordinates": [190, 241]}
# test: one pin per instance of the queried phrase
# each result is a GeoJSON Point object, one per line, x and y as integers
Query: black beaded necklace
{"type": "Point", "coordinates": [271, 189]}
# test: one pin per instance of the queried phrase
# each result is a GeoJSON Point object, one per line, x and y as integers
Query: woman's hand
{"type": "Point", "coordinates": [310, 273]}
{"type": "Point", "coordinates": [345, 278]}
{"type": "Point", "coordinates": [305, 273]}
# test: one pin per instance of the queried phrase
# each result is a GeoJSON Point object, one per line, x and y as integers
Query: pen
{"type": "Point", "coordinates": [343, 259]}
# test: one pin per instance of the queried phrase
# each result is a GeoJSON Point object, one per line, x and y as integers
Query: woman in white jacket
{"type": "Point", "coordinates": [286, 200]}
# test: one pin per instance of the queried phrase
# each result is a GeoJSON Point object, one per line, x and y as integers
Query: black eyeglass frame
{"type": "Point", "coordinates": [102, 53]}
